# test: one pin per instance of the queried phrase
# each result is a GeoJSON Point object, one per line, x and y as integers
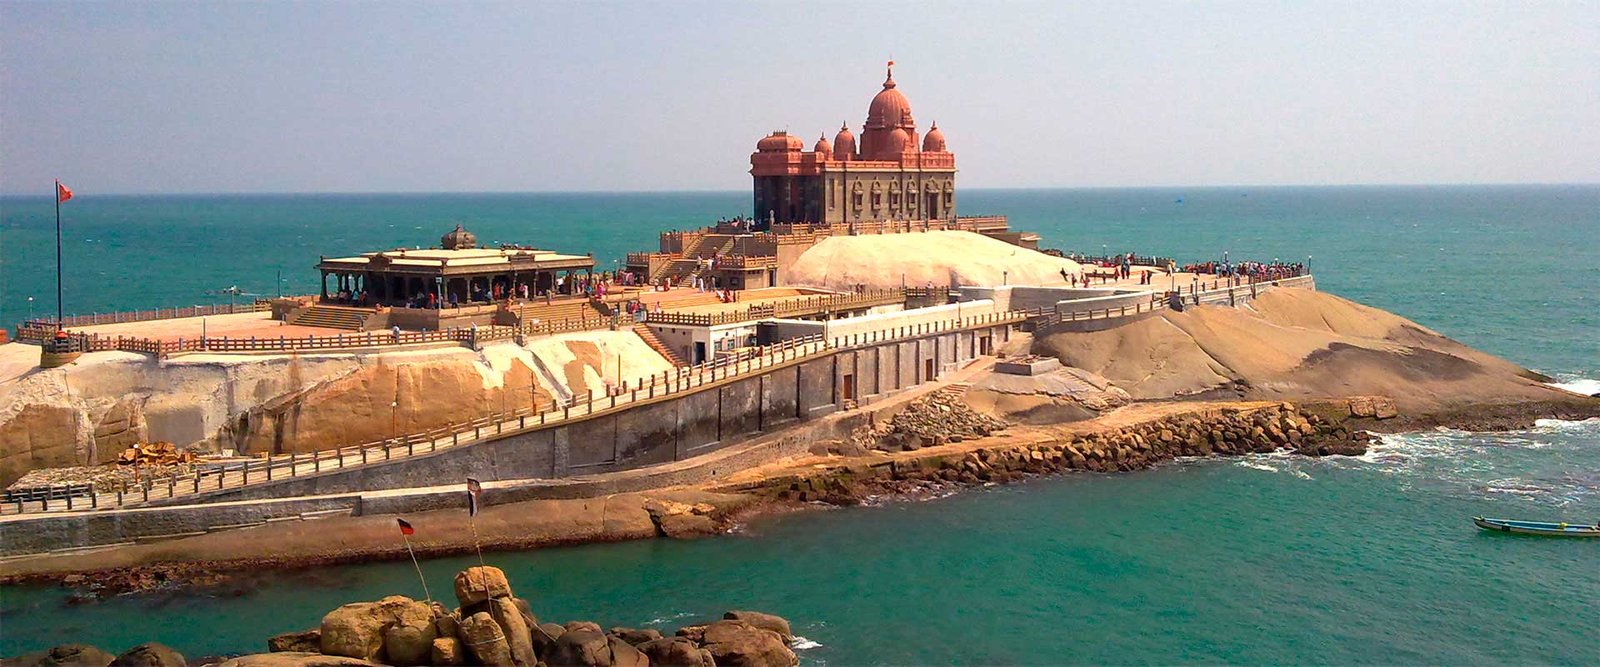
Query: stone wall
{"type": "Point", "coordinates": [671, 428]}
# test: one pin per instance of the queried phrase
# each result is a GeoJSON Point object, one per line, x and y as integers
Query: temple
{"type": "Point", "coordinates": [890, 176]}
{"type": "Point", "coordinates": [456, 272]}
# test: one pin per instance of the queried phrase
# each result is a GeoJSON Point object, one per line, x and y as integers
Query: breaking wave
{"type": "Point", "coordinates": [1579, 385]}
{"type": "Point", "coordinates": [801, 643]}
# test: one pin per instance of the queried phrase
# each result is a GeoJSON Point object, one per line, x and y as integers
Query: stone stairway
{"type": "Point", "coordinates": [331, 317]}
{"type": "Point", "coordinates": [654, 341]}
{"type": "Point", "coordinates": [558, 311]}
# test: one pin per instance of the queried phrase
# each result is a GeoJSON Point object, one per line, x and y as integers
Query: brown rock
{"type": "Point", "coordinates": [740, 644]}
{"type": "Point", "coordinates": [356, 630]}
{"type": "Point", "coordinates": [304, 641]}
{"type": "Point", "coordinates": [479, 583]}
{"type": "Point", "coordinates": [518, 637]}
{"type": "Point", "coordinates": [636, 637]}
{"type": "Point", "coordinates": [75, 655]}
{"type": "Point", "coordinates": [409, 644]}
{"type": "Point", "coordinates": [764, 621]}
{"type": "Point", "coordinates": [485, 640]}
{"type": "Point", "coordinates": [150, 655]}
{"type": "Point", "coordinates": [446, 651]}
{"type": "Point", "coordinates": [624, 654]}
{"type": "Point", "coordinates": [676, 652]}
{"type": "Point", "coordinates": [580, 648]}
{"type": "Point", "coordinates": [583, 625]}
{"type": "Point", "coordinates": [295, 659]}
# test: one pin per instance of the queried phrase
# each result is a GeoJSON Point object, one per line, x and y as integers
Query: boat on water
{"type": "Point", "coordinates": [1537, 527]}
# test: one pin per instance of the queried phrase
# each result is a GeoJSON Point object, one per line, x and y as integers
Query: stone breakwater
{"type": "Point", "coordinates": [491, 626]}
{"type": "Point", "coordinates": [1212, 432]}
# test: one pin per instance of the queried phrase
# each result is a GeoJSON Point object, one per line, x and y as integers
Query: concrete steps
{"type": "Point", "coordinates": [330, 317]}
{"type": "Point", "coordinates": [654, 341]}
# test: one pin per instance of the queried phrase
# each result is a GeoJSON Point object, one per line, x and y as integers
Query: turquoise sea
{"type": "Point", "coordinates": [1262, 560]}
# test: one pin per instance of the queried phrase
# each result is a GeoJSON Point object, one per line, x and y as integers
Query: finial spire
{"type": "Point", "coordinates": [888, 76]}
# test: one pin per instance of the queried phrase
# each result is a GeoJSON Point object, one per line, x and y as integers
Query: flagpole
{"type": "Point", "coordinates": [414, 563]}
{"type": "Point", "coordinates": [56, 194]}
{"type": "Point", "coordinates": [474, 523]}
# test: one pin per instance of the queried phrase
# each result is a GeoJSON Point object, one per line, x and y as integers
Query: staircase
{"type": "Point", "coordinates": [557, 311]}
{"type": "Point", "coordinates": [330, 317]}
{"type": "Point", "coordinates": [654, 341]}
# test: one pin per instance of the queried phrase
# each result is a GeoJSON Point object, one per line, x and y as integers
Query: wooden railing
{"type": "Point", "coordinates": [798, 306]}
{"type": "Point", "coordinates": [40, 328]}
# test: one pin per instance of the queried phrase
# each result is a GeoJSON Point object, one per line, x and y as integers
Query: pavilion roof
{"type": "Point", "coordinates": [468, 260]}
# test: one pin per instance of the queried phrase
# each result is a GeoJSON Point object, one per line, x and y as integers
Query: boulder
{"type": "Point", "coordinates": [675, 652]}
{"type": "Point", "coordinates": [356, 630]}
{"type": "Point", "coordinates": [304, 641]}
{"type": "Point", "coordinates": [583, 625]}
{"type": "Point", "coordinates": [624, 654]}
{"type": "Point", "coordinates": [477, 584]}
{"type": "Point", "coordinates": [485, 640]}
{"type": "Point", "coordinates": [544, 637]}
{"type": "Point", "coordinates": [580, 648]}
{"type": "Point", "coordinates": [446, 625]}
{"type": "Point", "coordinates": [511, 620]}
{"type": "Point", "coordinates": [295, 659]}
{"type": "Point", "coordinates": [447, 652]}
{"type": "Point", "coordinates": [740, 644]}
{"type": "Point", "coordinates": [636, 637]}
{"type": "Point", "coordinates": [410, 643]}
{"type": "Point", "coordinates": [150, 655]}
{"type": "Point", "coordinates": [75, 655]}
{"type": "Point", "coordinates": [764, 621]}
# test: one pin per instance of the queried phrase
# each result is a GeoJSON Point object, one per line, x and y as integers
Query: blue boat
{"type": "Point", "coordinates": [1538, 527]}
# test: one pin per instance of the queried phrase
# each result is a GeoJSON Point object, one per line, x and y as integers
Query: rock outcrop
{"type": "Point", "coordinates": [1296, 344]}
{"type": "Point", "coordinates": [88, 412]}
{"type": "Point", "coordinates": [490, 627]}
{"type": "Point", "coordinates": [942, 258]}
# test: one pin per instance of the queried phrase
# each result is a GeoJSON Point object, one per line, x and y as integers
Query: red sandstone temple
{"type": "Point", "coordinates": [891, 176]}
{"type": "Point", "coordinates": [892, 182]}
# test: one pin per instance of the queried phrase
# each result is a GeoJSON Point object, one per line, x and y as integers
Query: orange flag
{"type": "Point", "coordinates": [62, 192]}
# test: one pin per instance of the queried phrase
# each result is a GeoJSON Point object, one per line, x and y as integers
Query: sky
{"type": "Point", "coordinates": [181, 97]}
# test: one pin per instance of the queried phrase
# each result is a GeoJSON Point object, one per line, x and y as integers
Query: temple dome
{"type": "Point", "coordinates": [889, 107]}
{"type": "Point", "coordinates": [844, 143]}
{"type": "Point", "coordinates": [823, 148]}
{"type": "Point", "coordinates": [934, 141]}
{"type": "Point", "coordinates": [899, 142]}
{"type": "Point", "coordinates": [779, 142]}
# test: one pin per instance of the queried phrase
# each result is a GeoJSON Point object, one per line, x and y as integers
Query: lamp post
{"type": "Point", "coordinates": [30, 307]}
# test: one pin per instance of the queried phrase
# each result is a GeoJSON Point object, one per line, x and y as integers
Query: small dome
{"type": "Point", "coordinates": [844, 144]}
{"type": "Point", "coordinates": [934, 142]}
{"type": "Point", "coordinates": [823, 147]}
{"type": "Point", "coordinates": [458, 239]}
{"type": "Point", "coordinates": [779, 142]}
{"type": "Point", "coordinates": [899, 142]}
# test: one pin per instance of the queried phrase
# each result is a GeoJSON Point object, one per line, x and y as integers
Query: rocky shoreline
{"type": "Point", "coordinates": [491, 626]}
{"type": "Point", "coordinates": [1219, 432]}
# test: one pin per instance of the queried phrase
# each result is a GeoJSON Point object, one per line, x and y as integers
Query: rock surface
{"type": "Point", "coordinates": [356, 630]}
{"type": "Point", "coordinates": [1295, 344]}
{"type": "Point", "coordinates": [942, 258]}
{"type": "Point", "coordinates": [150, 655]}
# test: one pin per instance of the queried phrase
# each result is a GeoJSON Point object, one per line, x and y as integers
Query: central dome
{"type": "Point", "coordinates": [889, 107]}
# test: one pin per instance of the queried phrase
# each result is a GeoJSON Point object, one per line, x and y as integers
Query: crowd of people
{"type": "Point", "coordinates": [1258, 271]}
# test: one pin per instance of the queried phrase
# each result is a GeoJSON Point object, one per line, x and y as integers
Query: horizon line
{"type": "Point", "coordinates": [226, 193]}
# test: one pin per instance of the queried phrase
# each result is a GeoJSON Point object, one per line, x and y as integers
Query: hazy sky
{"type": "Point", "coordinates": [369, 97]}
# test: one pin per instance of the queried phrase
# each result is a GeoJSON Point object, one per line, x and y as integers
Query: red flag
{"type": "Point", "coordinates": [62, 192]}
{"type": "Point", "coordinates": [405, 528]}
{"type": "Point", "coordinates": [474, 490]}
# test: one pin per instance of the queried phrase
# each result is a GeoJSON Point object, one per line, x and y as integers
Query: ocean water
{"type": "Point", "coordinates": [1261, 560]}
